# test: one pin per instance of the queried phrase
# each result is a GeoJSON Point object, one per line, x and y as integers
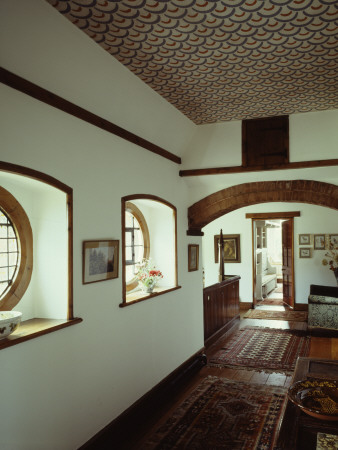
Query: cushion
{"type": "Point", "coordinates": [321, 299]}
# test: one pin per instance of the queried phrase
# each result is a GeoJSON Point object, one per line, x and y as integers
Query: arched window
{"type": "Point", "coordinates": [149, 233]}
{"type": "Point", "coordinates": [16, 251]}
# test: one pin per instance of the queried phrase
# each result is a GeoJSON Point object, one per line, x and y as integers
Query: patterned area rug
{"type": "Point", "coordinates": [271, 301]}
{"type": "Point", "coordinates": [299, 316]}
{"type": "Point", "coordinates": [222, 415]}
{"type": "Point", "coordinates": [265, 349]}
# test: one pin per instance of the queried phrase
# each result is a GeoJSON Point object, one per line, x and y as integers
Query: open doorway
{"type": "Point", "coordinates": [273, 261]}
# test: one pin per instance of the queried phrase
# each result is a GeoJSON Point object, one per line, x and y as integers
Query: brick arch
{"type": "Point", "coordinates": [241, 195]}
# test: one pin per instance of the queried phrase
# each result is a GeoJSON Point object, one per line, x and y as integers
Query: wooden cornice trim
{"type": "Point", "coordinates": [45, 96]}
{"type": "Point", "coordinates": [273, 215]}
{"type": "Point", "coordinates": [241, 169]}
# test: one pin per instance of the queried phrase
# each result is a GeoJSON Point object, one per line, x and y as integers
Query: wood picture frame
{"type": "Point", "coordinates": [232, 249]}
{"type": "Point", "coordinates": [193, 257]}
{"type": "Point", "coordinates": [319, 241]}
{"type": "Point", "coordinates": [100, 260]}
{"type": "Point", "coordinates": [305, 252]}
{"type": "Point", "coordinates": [304, 239]}
{"type": "Point", "coordinates": [333, 240]}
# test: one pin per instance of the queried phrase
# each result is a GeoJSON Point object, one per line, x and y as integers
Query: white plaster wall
{"type": "Point", "coordinates": [313, 220]}
{"type": "Point", "coordinates": [66, 386]}
{"type": "Point", "coordinates": [313, 136]}
{"type": "Point", "coordinates": [95, 370]}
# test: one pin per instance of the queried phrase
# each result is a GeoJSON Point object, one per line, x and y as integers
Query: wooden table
{"type": "Point", "coordinates": [297, 430]}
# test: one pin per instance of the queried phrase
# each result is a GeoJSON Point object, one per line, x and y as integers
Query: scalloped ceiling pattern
{"type": "Point", "coordinates": [222, 60]}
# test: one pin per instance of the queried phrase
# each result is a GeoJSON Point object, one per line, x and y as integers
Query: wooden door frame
{"type": "Point", "coordinates": [266, 216]}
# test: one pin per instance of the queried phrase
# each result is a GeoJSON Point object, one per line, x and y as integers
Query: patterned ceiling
{"type": "Point", "coordinates": [222, 60]}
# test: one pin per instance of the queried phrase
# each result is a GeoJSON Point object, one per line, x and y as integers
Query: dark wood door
{"type": "Point", "coordinates": [287, 263]}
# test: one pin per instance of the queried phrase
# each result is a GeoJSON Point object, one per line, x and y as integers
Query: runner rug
{"type": "Point", "coordinates": [299, 316]}
{"type": "Point", "coordinates": [262, 349]}
{"type": "Point", "coordinates": [222, 414]}
{"type": "Point", "coordinates": [271, 301]}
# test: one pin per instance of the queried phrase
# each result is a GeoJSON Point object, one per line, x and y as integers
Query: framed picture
{"type": "Point", "coordinates": [100, 260]}
{"type": "Point", "coordinates": [304, 239]}
{"type": "Point", "coordinates": [319, 242]}
{"type": "Point", "coordinates": [333, 240]}
{"type": "Point", "coordinates": [305, 252]}
{"type": "Point", "coordinates": [193, 256]}
{"type": "Point", "coordinates": [232, 251]}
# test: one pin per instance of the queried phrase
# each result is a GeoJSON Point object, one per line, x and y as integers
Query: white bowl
{"type": "Point", "coordinates": [9, 322]}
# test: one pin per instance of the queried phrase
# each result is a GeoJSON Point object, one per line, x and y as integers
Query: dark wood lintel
{"type": "Point", "coordinates": [241, 169]}
{"type": "Point", "coordinates": [39, 93]}
{"type": "Point", "coordinates": [273, 215]}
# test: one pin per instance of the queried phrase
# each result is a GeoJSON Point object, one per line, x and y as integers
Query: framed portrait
{"type": "Point", "coordinates": [304, 239]}
{"type": "Point", "coordinates": [100, 260]}
{"type": "Point", "coordinates": [193, 256]}
{"type": "Point", "coordinates": [305, 252]}
{"type": "Point", "coordinates": [232, 251]}
{"type": "Point", "coordinates": [333, 240]}
{"type": "Point", "coordinates": [319, 241]}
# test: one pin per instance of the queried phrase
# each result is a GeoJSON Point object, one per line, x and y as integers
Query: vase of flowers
{"type": "Point", "coordinates": [148, 276]}
{"type": "Point", "coordinates": [331, 258]}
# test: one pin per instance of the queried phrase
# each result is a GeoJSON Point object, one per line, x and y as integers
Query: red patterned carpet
{"type": "Point", "coordinates": [222, 415]}
{"type": "Point", "coordinates": [263, 349]}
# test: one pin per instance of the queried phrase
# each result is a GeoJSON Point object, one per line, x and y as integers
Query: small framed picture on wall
{"type": "Point", "coordinates": [100, 260]}
{"type": "Point", "coordinates": [304, 239]}
{"type": "Point", "coordinates": [305, 252]}
{"type": "Point", "coordinates": [333, 240]}
{"type": "Point", "coordinates": [193, 256]}
{"type": "Point", "coordinates": [319, 241]}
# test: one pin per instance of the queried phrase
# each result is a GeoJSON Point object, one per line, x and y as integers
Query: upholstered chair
{"type": "Point", "coordinates": [323, 309]}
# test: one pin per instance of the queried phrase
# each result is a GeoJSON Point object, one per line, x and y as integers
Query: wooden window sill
{"type": "Point", "coordinates": [139, 296]}
{"type": "Point", "coordinates": [33, 328]}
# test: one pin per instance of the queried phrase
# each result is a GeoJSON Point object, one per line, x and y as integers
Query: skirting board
{"type": "Point", "coordinates": [135, 419]}
{"type": "Point", "coordinates": [222, 332]}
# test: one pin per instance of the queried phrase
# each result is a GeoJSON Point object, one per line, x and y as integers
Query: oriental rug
{"type": "Point", "coordinates": [271, 301]}
{"type": "Point", "coordinates": [262, 349]}
{"type": "Point", "coordinates": [297, 316]}
{"type": "Point", "coordinates": [222, 415]}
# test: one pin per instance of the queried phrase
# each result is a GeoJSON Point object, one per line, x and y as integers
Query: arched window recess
{"type": "Point", "coordinates": [149, 236]}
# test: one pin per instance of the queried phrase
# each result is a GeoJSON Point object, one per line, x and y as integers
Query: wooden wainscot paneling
{"type": "Point", "coordinates": [221, 308]}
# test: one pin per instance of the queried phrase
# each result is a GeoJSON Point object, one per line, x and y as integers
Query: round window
{"type": "Point", "coordinates": [16, 251]}
{"type": "Point", "coordinates": [9, 253]}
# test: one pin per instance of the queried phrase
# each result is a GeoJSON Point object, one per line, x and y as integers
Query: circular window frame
{"type": "Point", "coordinates": [134, 210]}
{"type": "Point", "coordinates": [23, 229]}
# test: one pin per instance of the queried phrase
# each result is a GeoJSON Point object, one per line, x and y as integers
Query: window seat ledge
{"type": "Point", "coordinates": [33, 328]}
{"type": "Point", "coordinates": [139, 296]}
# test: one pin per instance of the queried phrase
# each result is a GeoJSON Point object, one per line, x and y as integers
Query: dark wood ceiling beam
{"type": "Point", "coordinates": [45, 96]}
{"type": "Point", "coordinates": [241, 169]}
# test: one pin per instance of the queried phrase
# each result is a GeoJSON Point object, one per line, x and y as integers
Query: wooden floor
{"type": "Point", "coordinates": [320, 347]}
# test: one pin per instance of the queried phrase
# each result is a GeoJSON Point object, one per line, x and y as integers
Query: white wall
{"type": "Point", "coordinates": [312, 220]}
{"type": "Point", "coordinates": [313, 136]}
{"type": "Point", "coordinates": [64, 387]}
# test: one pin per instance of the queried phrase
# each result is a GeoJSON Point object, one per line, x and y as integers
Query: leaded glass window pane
{"type": "Point", "coordinates": [134, 246]}
{"type": "Point", "coordinates": [9, 253]}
